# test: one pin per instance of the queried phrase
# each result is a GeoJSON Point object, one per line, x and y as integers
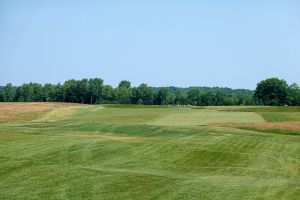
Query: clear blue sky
{"type": "Point", "coordinates": [162, 43]}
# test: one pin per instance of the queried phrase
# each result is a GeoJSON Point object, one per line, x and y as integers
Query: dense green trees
{"type": "Point", "coordinates": [8, 94]}
{"type": "Point", "coordinates": [123, 92]}
{"type": "Point", "coordinates": [207, 99]}
{"type": "Point", "coordinates": [164, 97]}
{"type": "Point", "coordinates": [144, 94]}
{"type": "Point", "coordinates": [271, 91]}
{"type": "Point", "coordinates": [95, 90]}
{"type": "Point", "coordinates": [274, 91]}
{"type": "Point", "coordinates": [293, 97]}
{"type": "Point", "coordinates": [194, 97]}
{"type": "Point", "coordinates": [125, 84]}
{"type": "Point", "coordinates": [180, 98]}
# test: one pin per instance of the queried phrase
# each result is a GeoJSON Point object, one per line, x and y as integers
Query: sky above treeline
{"type": "Point", "coordinates": [162, 43]}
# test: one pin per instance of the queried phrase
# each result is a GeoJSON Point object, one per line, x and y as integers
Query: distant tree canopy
{"type": "Point", "coordinates": [125, 84]}
{"type": "Point", "coordinates": [271, 91]}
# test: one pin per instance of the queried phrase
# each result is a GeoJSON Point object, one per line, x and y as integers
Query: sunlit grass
{"type": "Point", "coordinates": [100, 152]}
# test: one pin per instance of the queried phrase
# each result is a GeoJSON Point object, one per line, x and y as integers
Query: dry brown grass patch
{"type": "Point", "coordinates": [15, 112]}
{"type": "Point", "coordinates": [264, 125]}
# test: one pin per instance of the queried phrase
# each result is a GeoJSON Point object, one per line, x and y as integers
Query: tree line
{"type": "Point", "coordinates": [271, 91]}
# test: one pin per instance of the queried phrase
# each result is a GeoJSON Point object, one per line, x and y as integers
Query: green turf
{"type": "Point", "coordinates": [147, 152]}
{"type": "Point", "coordinates": [280, 116]}
{"type": "Point", "coordinates": [288, 109]}
{"type": "Point", "coordinates": [269, 113]}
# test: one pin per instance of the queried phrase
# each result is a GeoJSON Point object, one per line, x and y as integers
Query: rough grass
{"type": "Point", "coordinates": [292, 128]}
{"type": "Point", "coordinates": [96, 152]}
{"type": "Point", "coordinates": [20, 112]}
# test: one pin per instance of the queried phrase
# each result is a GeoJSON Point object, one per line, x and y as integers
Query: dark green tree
{"type": "Point", "coordinates": [108, 94]}
{"type": "Point", "coordinates": [82, 90]}
{"type": "Point", "coordinates": [27, 92]}
{"type": "Point", "coordinates": [145, 94]}
{"type": "Point", "coordinates": [293, 95]}
{"type": "Point", "coordinates": [272, 91]}
{"type": "Point", "coordinates": [123, 92]}
{"type": "Point", "coordinates": [179, 98]}
{"type": "Point", "coordinates": [220, 98]}
{"type": "Point", "coordinates": [1, 94]}
{"type": "Point", "coordinates": [207, 99]}
{"type": "Point", "coordinates": [194, 96]}
{"type": "Point", "coordinates": [125, 84]}
{"type": "Point", "coordinates": [123, 95]}
{"type": "Point", "coordinates": [19, 93]}
{"type": "Point", "coordinates": [8, 93]}
{"type": "Point", "coordinates": [60, 94]}
{"type": "Point", "coordinates": [70, 88]}
{"type": "Point", "coordinates": [49, 92]}
{"type": "Point", "coordinates": [135, 95]}
{"type": "Point", "coordinates": [95, 90]}
{"type": "Point", "coordinates": [164, 97]}
{"type": "Point", "coordinates": [37, 92]}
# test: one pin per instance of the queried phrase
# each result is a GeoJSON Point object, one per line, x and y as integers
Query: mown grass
{"type": "Point", "coordinates": [96, 152]}
{"type": "Point", "coordinates": [280, 116]}
{"type": "Point", "coordinates": [272, 130]}
{"type": "Point", "coordinates": [288, 109]}
{"type": "Point", "coordinates": [269, 113]}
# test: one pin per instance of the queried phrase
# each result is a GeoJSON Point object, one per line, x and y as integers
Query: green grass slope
{"type": "Point", "coordinates": [125, 152]}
